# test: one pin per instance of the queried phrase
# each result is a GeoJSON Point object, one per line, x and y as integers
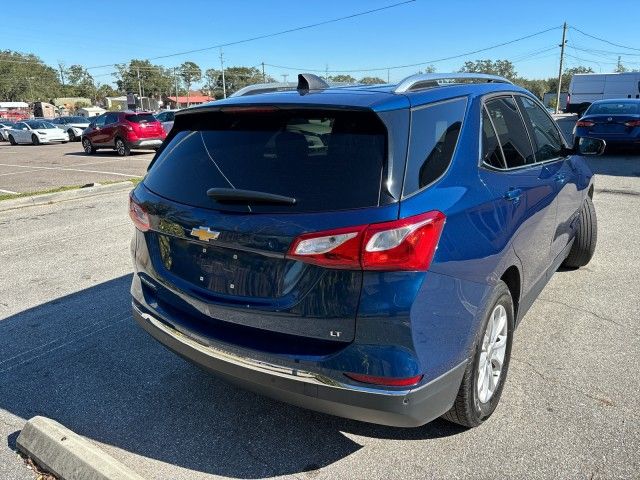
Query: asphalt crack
{"type": "Point", "coordinates": [588, 312]}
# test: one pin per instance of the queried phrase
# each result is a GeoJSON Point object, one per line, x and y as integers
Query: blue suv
{"type": "Point", "coordinates": [362, 251]}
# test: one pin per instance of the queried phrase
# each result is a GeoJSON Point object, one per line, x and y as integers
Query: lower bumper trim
{"type": "Point", "coordinates": [401, 408]}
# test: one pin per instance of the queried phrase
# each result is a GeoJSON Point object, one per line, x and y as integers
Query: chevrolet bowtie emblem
{"type": "Point", "coordinates": [204, 234]}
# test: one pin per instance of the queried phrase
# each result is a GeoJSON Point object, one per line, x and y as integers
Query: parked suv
{"type": "Point", "coordinates": [123, 132]}
{"type": "Point", "coordinates": [362, 251]}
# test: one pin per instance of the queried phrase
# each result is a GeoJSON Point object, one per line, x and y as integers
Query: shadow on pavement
{"type": "Point", "coordinates": [108, 153]}
{"type": "Point", "coordinates": [82, 361]}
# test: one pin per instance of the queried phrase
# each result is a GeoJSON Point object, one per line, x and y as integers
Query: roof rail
{"type": "Point", "coordinates": [428, 80]}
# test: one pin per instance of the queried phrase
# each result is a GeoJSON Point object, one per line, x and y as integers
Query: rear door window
{"type": "Point", "coordinates": [491, 152]}
{"type": "Point", "coordinates": [434, 134]}
{"type": "Point", "coordinates": [511, 132]}
{"type": "Point", "coordinates": [111, 118]}
{"type": "Point", "coordinates": [542, 128]}
{"type": "Point", "coordinates": [325, 159]}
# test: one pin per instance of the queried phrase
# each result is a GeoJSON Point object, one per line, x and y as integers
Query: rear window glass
{"type": "Point", "coordinates": [325, 159]}
{"type": "Point", "coordinates": [141, 118]}
{"type": "Point", "coordinates": [618, 108]}
{"type": "Point", "coordinates": [434, 135]}
{"type": "Point", "coordinates": [77, 120]}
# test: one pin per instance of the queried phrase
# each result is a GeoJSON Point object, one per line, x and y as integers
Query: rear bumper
{"type": "Point", "coordinates": [401, 408]}
{"type": "Point", "coordinates": [145, 143]}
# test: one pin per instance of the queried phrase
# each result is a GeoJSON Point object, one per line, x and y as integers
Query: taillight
{"type": "Point", "coordinates": [585, 123]}
{"type": "Point", "coordinates": [139, 217]}
{"type": "Point", "coordinates": [406, 244]}
{"type": "Point", "coordinates": [568, 101]}
{"type": "Point", "coordinates": [632, 123]}
{"type": "Point", "coordinates": [386, 381]}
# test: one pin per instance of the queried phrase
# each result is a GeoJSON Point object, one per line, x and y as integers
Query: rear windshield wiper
{"type": "Point", "coordinates": [233, 195]}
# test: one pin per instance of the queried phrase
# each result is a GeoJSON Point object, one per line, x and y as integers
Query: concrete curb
{"type": "Point", "coordinates": [67, 455]}
{"type": "Point", "coordinates": [48, 198]}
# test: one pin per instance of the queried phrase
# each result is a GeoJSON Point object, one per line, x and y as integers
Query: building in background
{"type": "Point", "coordinates": [14, 111]}
{"type": "Point", "coordinates": [90, 111]}
{"type": "Point", "coordinates": [195, 97]}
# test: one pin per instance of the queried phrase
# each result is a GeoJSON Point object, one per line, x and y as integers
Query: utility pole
{"type": "Point", "coordinates": [284, 77]}
{"type": "Point", "coordinates": [175, 79]}
{"type": "Point", "coordinates": [388, 75]}
{"type": "Point", "coordinates": [139, 87]}
{"type": "Point", "coordinates": [618, 68]}
{"type": "Point", "coordinates": [264, 78]}
{"type": "Point", "coordinates": [326, 72]}
{"type": "Point", "coordinates": [564, 41]}
{"type": "Point", "coordinates": [224, 84]}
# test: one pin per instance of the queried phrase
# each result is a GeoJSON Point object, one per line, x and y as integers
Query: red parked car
{"type": "Point", "coordinates": [123, 132]}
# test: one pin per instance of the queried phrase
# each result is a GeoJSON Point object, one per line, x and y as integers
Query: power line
{"type": "Point", "coordinates": [603, 40]}
{"type": "Point", "coordinates": [269, 35]}
{"type": "Point", "coordinates": [426, 62]}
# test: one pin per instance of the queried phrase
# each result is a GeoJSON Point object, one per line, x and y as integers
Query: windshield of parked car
{"type": "Point", "coordinates": [39, 124]}
{"type": "Point", "coordinates": [325, 159]}
{"type": "Point", "coordinates": [614, 108]}
{"type": "Point", "coordinates": [76, 120]}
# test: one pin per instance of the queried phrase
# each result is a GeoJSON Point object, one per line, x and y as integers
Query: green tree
{"type": "Point", "coordinates": [80, 82]}
{"type": "Point", "coordinates": [371, 80]}
{"type": "Point", "coordinates": [566, 78]}
{"type": "Point", "coordinates": [24, 77]}
{"type": "Point", "coordinates": [235, 78]}
{"type": "Point", "coordinates": [504, 68]}
{"type": "Point", "coordinates": [538, 87]}
{"type": "Point", "coordinates": [190, 74]}
{"type": "Point", "coordinates": [155, 80]}
{"type": "Point", "coordinates": [342, 79]}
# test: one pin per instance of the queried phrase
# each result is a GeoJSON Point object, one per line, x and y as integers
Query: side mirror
{"type": "Point", "coordinates": [591, 146]}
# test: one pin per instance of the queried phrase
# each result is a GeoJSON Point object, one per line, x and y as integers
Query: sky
{"type": "Point", "coordinates": [417, 32]}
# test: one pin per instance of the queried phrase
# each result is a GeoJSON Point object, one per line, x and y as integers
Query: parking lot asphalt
{"type": "Point", "coordinates": [69, 350]}
{"type": "Point", "coordinates": [32, 168]}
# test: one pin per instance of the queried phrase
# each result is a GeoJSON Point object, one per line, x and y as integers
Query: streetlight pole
{"type": "Point", "coordinates": [224, 84]}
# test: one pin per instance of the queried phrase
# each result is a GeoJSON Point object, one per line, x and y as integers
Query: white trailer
{"type": "Point", "coordinates": [586, 88]}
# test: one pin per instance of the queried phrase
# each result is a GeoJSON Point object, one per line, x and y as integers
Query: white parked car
{"type": "Point", "coordinates": [4, 130]}
{"type": "Point", "coordinates": [74, 126]}
{"type": "Point", "coordinates": [36, 132]}
{"type": "Point", "coordinates": [166, 119]}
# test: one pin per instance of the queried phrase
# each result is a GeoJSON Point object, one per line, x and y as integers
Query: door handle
{"type": "Point", "coordinates": [560, 178]}
{"type": "Point", "coordinates": [513, 195]}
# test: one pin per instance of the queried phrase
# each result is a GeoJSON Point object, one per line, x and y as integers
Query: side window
{"type": "Point", "coordinates": [99, 121]}
{"type": "Point", "coordinates": [434, 135]}
{"type": "Point", "coordinates": [111, 118]}
{"type": "Point", "coordinates": [548, 143]}
{"type": "Point", "coordinates": [511, 132]}
{"type": "Point", "coordinates": [491, 153]}
{"type": "Point", "coordinates": [161, 117]}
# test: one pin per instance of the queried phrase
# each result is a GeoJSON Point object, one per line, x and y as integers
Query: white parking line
{"type": "Point", "coordinates": [8, 191]}
{"type": "Point", "coordinates": [69, 170]}
{"type": "Point", "coordinates": [16, 173]}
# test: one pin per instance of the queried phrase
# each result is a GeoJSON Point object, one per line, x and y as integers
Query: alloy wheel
{"type": "Point", "coordinates": [494, 344]}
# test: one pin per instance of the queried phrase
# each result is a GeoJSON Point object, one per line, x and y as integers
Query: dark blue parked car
{"type": "Point", "coordinates": [615, 121]}
{"type": "Point", "coordinates": [362, 251]}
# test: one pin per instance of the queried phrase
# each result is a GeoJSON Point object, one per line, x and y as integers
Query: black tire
{"type": "Point", "coordinates": [89, 149]}
{"type": "Point", "coordinates": [584, 244]}
{"type": "Point", "coordinates": [467, 409]}
{"type": "Point", "coordinates": [72, 135]}
{"type": "Point", "coordinates": [122, 148]}
{"type": "Point", "coordinates": [35, 140]}
{"type": "Point", "coordinates": [12, 140]}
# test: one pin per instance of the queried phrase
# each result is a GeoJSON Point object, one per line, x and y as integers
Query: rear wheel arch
{"type": "Point", "coordinates": [511, 277]}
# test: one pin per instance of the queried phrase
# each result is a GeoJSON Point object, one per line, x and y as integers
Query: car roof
{"type": "Point", "coordinates": [618, 100]}
{"type": "Point", "coordinates": [382, 97]}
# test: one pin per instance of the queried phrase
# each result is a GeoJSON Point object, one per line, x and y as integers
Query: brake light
{"type": "Point", "coordinates": [568, 101]}
{"type": "Point", "coordinates": [632, 123]}
{"type": "Point", "coordinates": [386, 381]}
{"type": "Point", "coordinates": [406, 244]}
{"type": "Point", "coordinates": [585, 123]}
{"type": "Point", "coordinates": [138, 215]}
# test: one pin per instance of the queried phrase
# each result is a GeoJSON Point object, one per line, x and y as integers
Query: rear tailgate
{"type": "Point", "coordinates": [228, 260]}
{"type": "Point", "coordinates": [145, 125]}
